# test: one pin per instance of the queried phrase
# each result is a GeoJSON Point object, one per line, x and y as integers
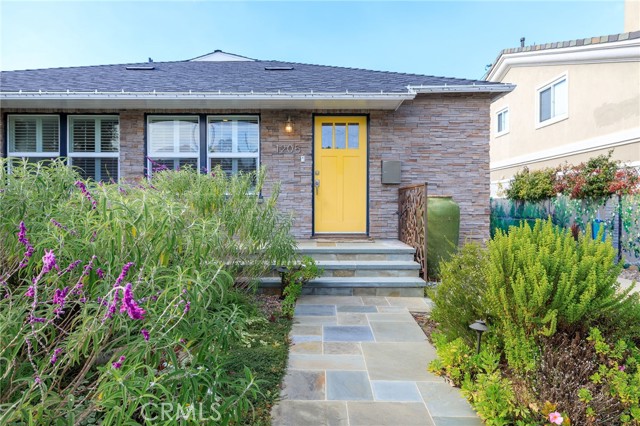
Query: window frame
{"type": "Point", "coordinates": [154, 155]}
{"type": "Point", "coordinates": [232, 155]}
{"type": "Point", "coordinates": [31, 154]}
{"type": "Point", "coordinates": [507, 127]}
{"type": "Point", "coordinates": [96, 154]}
{"type": "Point", "coordinates": [564, 77]}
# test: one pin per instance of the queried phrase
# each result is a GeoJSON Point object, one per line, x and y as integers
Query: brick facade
{"type": "Point", "coordinates": [440, 139]}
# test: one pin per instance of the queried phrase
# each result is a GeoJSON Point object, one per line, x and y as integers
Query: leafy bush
{"type": "Point", "coordinates": [101, 286]}
{"type": "Point", "coordinates": [459, 297]}
{"type": "Point", "coordinates": [298, 275]}
{"type": "Point", "coordinates": [532, 185]}
{"type": "Point", "coordinates": [541, 280]}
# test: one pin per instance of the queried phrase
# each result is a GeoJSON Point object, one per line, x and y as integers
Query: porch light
{"type": "Point", "coordinates": [288, 126]}
{"type": "Point", "coordinates": [480, 327]}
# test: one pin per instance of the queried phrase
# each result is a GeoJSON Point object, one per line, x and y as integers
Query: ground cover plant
{"type": "Point", "coordinates": [120, 304]}
{"type": "Point", "coordinates": [563, 340]}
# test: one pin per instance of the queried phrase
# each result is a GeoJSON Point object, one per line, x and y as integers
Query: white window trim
{"type": "Point", "coordinates": [234, 140]}
{"type": "Point", "coordinates": [540, 124]}
{"type": "Point", "coordinates": [153, 155]}
{"type": "Point", "coordinates": [508, 126]}
{"type": "Point", "coordinates": [97, 154]}
{"type": "Point", "coordinates": [25, 154]}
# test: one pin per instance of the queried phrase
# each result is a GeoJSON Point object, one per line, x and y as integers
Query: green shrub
{"type": "Point", "coordinates": [540, 280]}
{"type": "Point", "coordinates": [459, 297]}
{"type": "Point", "coordinates": [299, 274]}
{"type": "Point", "coordinates": [143, 307]}
{"type": "Point", "coordinates": [532, 185]}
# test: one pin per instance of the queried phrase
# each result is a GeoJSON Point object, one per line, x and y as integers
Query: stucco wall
{"type": "Point", "coordinates": [440, 139]}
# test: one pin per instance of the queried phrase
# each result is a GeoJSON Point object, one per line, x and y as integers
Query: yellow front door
{"type": "Point", "coordinates": [340, 174]}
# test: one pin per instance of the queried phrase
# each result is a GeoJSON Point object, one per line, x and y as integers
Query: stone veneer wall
{"type": "Point", "coordinates": [440, 139]}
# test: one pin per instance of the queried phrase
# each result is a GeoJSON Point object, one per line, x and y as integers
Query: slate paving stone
{"type": "Point", "coordinates": [402, 317]}
{"type": "Point", "coordinates": [352, 319]}
{"type": "Point", "coordinates": [399, 361]}
{"type": "Point", "coordinates": [326, 362]}
{"type": "Point", "coordinates": [299, 339]}
{"type": "Point", "coordinates": [306, 348]}
{"type": "Point", "coordinates": [304, 385]}
{"type": "Point", "coordinates": [457, 421]}
{"type": "Point", "coordinates": [397, 332]}
{"type": "Point", "coordinates": [310, 413]}
{"type": "Point", "coordinates": [357, 308]}
{"type": "Point", "coordinates": [306, 330]}
{"type": "Point", "coordinates": [398, 391]}
{"type": "Point", "coordinates": [444, 400]}
{"type": "Point", "coordinates": [313, 320]}
{"type": "Point", "coordinates": [347, 333]}
{"type": "Point", "coordinates": [315, 310]}
{"type": "Point", "coordinates": [341, 348]}
{"type": "Point", "coordinates": [392, 309]}
{"type": "Point", "coordinates": [388, 414]}
{"type": "Point", "coordinates": [348, 386]}
{"type": "Point", "coordinates": [415, 304]}
{"type": "Point", "coordinates": [375, 300]}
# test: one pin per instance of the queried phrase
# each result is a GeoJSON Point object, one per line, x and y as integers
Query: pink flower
{"type": "Point", "coordinates": [117, 364]}
{"type": "Point", "coordinates": [621, 368]}
{"type": "Point", "coordinates": [556, 418]}
{"type": "Point", "coordinates": [145, 333]}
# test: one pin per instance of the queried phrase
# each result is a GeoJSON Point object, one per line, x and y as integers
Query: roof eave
{"type": "Point", "coordinates": [469, 88]}
{"type": "Point", "coordinates": [167, 100]}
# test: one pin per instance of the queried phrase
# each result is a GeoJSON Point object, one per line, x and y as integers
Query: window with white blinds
{"type": "Point", "coordinates": [34, 136]}
{"type": "Point", "coordinates": [173, 142]}
{"type": "Point", "coordinates": [94, 146]}
{"type": "Point", "coordinates": [233, 143]}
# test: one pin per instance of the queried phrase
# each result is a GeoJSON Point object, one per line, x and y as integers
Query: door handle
{"type": "Point", "coordinates": [317, 185]}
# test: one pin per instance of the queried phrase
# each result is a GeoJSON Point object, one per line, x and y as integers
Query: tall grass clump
{"type": "Point", "coordinates": [118, 301]}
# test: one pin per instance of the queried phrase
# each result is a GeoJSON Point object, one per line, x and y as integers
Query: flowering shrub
{"type": "Point", "coordinates": [118, 298]}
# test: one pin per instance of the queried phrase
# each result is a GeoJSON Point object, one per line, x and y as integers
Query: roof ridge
{"type": "Point", "coordinates": [585, 41]}
{"type": "Point", "coordinates": [97, 66]}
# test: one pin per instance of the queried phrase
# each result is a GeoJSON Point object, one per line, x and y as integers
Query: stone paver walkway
{"type": "Point", "coordinates": [362, 361]}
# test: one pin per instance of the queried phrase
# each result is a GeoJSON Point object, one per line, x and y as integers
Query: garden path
{"type": "Point", "coordinates": [362, 361]}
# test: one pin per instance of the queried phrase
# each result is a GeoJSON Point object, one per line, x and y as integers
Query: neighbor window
{"type": "Point", "coordinates": [94, 146]}
{"type": "Point", "coordinates": [233, 143]}
{"type": "Point", "coordinates": [173, 142]}
{"type": "Point", "coordinates": [34, 137]}
{"type": "Point", "coordinates": [502, 120]}
{"type": "Point", "coordinates": [553, 102]}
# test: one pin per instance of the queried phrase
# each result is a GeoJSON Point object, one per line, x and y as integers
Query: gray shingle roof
{"type": "Point", "coordinates": [206, 76]}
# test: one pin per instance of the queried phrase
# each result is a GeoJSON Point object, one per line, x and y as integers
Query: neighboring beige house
{"type": "Point", "coordinates": [573, 100]}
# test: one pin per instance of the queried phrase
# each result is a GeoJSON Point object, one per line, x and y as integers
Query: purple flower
{"type": "Point", "coordinates": [87, 194]}
{"type": "Point", "coordinates": [187, 308]}
{"type": "Point", "coordinates": [38, 380]}
{"type": "Point", "coordinates": [130, 306]}
{"type": "Point", "coordinates": [123, 274]}
{"type": "Point", "coordinates": [49, 262]}
{"type": "Point", "coordinates": [22, 238]}
{"type": "Point", "coordinates": [100, 273]}
{"type": "Point", "coordinates": [69, 268]}
{"type": "Point", "coordinates": [60, 298]}
{"type": "Point", "coordinates": [61, 226]}
{"type": "Point", "coordinates": [621, 368]}
{"type": "Point", "coordinates": [31, 291]}
{"type": "Point", "coordinates": [54, 357]}
{"type": "Point", "coordinates": [145, 333]}
{"type": "Point", "coordinates": [33, 319]}
{"type": "Point", "coordinates": [117, 364]}
{"type": "Point", "coordinates": [112, 307]}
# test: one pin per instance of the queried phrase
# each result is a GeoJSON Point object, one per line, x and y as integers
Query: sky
{"type": "Point", "coordinates": [450, 38]}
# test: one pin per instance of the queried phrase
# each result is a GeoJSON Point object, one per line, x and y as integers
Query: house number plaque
{"type": "Point", "coordinates": [288, 149]}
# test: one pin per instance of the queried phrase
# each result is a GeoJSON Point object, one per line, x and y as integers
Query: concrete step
{"type": "Point", "coordinates": [380, 250]}
{"type": "Point", "coordinates": [355, 286]}
{"type": "Point", "coordinates": [369, 268]}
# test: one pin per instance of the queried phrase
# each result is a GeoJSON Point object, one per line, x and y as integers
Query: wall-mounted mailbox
{"type": "Point", "coordinates": [391, 172]}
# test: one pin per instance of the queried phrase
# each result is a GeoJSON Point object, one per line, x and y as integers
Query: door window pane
{"type": "Point", "coordinates": [341, 136]}
{"type": "Point", "coordinates": [327, 136]}
{"type": "Point", "coordinates": [353, 133]}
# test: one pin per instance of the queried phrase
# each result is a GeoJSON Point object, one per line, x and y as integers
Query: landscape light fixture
{"type": "Point", "coordinates": [288, 126]}
{"type": "Point", "coordinates": [480, 327]}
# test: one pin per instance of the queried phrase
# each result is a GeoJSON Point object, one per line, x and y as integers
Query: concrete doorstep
{"type": "Point", "coordinates": [362, 360]}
